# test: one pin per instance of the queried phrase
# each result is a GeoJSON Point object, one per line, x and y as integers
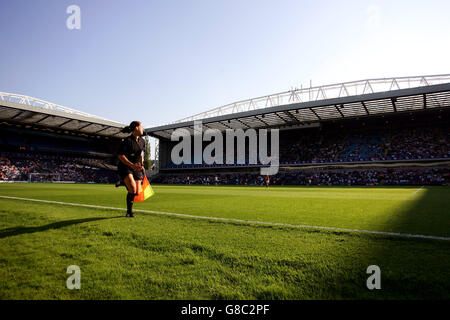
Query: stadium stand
{"type": "Point", "coordinates": [48, 167]}
{"type": "Point", "coordinates": [41, 141]}
{"type": "Point", "coordinates": [335, 144]}
{"type": "Point", "coordinates": [393, 137]}
{"type": "Point", "coordinates": [20, 166]}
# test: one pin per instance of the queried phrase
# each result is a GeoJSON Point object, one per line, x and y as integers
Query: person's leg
{"type": "Point", "coordinates": [138, 177]}
{"type": "Point", "coordinates": [132, 190]}
{"type": "Point", "coordinates": [138, 186]}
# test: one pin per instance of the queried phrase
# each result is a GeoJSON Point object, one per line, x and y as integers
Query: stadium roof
{"type": "Point", "coordinates": [28, 111]}
{"type": "Point", "coordinates": [332, 102]}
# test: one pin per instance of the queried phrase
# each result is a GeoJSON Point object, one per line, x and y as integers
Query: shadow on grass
{"type": "Point", "coordinates": [410, 268]}
{"type": "Point", "coordinates": [5, 233]}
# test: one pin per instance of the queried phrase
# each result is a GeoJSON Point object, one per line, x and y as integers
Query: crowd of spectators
{"type": "Point", "coordinates": [333, 146]}
{"type": "Point", "coordinates": [403, 176]}
{"type": "Point", "coordinates": [418, 144]}
{"type": "Point", "coordinates": [8, 170]}
{"type": "Point", "coordinates": [401, 144]}
{"type": "Point", "coordinates": [39, 167]}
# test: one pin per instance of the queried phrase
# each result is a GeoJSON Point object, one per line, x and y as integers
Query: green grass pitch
{"type": "Point", "coordinates": [165, 257]}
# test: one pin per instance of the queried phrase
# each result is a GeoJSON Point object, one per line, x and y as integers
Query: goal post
{"type": "Point", "coordinates": [44, 177]}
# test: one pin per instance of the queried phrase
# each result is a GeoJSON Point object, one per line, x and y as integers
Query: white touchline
{"type": "Point", "coordinates": [418, 189]}
{"type": "Point", "coordinates": [407, 235]}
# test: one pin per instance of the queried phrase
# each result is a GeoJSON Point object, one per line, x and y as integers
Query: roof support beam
{"type": "Point", "coordinates": [292, 117]}
{"type": "Point", "coordinates": [284, 121]}
{"type": "Point", "coordinates": [315, 113]}
{"type": "Point", "coordinates": [248, 127]}
{"type": "Point", "coordinates": [85, 126]}
{"type": "Point", "coordinates": [101, 130]}
{"type": "Point", "coordinates": [261, 120]}
{"type": "Point", "coordinates": [424, 101]}
{"type": "Point", "coordinates": [365, 108]}
{"type": "Point", "coordinates": [394, 100]}
{"type": "Point", "coordinates": [65, 122]}
{"type": "Point", "coordinates": [46, 117]}
{"type": "Point", "coordinates": [338, 109]}
{"type": "Point", "coordinates": [16, 115]}
{"type": "Point", "coordinates": [221, 122]}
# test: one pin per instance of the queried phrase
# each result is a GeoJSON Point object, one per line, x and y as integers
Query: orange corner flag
{"type": "Point", "coordinates": [146, 191]}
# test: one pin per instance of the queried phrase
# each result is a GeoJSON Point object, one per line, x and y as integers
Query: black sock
{"type": "Point", "coordinates": [130, 200]}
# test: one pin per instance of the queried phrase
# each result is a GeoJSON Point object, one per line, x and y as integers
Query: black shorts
{"type": "Point", "coordinates": [125, 171]}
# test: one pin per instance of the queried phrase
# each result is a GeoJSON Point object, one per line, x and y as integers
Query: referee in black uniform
{"type": "Point", "coordinates": [131, 170]}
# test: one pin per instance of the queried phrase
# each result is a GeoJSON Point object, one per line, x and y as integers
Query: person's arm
{"type": "Point", "coordinates": [142, 156]}
{"type": "Point", "coordinates": [142, 162]}
{"type": "Point", "coordinates": [127, 162]}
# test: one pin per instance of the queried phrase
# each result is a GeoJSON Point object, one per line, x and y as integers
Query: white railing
{"type": "Point", "coordinates": [34, 102]}
{"type": "Point", "coordinates": [320, 93]}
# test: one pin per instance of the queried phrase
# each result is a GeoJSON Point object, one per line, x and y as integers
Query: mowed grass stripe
{"type": "Point", "coordinates": [272, 224]}
{"type": "Point", "coordinates": [385, 209]}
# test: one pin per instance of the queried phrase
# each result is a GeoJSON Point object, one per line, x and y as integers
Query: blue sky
{"type": "Point", "coordinates": [160, 61]}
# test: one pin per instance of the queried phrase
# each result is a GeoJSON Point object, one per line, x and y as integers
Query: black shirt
{"type": "Point", "coordinates": [131, 149]}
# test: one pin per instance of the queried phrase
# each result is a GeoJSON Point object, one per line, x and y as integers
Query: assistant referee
{"type": "Point", "coordinates": [130, 168]}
